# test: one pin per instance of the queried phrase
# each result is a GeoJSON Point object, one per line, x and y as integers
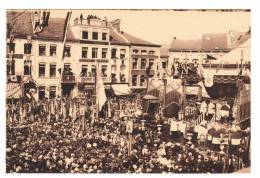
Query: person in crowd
{"type": "Point", "coordinates": [61, 146]}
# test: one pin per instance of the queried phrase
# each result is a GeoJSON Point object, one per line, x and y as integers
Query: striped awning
{"type": "Point", "coordinates": [13, 91]}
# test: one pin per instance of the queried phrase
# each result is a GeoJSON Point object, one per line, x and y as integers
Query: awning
{"type": "Point", "coordinates": [121, 89]}
{"type": "Point", "coordinates": [13, 91]}
{"type": "Point", "coordinates": [150, 97]}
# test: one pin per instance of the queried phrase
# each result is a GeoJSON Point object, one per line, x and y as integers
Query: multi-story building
{"type": "Point", "coordinates": [62, 59]}
{"type": "Point", "coordinates": [145, 61]}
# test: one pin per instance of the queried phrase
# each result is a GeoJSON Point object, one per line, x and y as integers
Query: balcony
{"type": "Point", "coordinates": [153, 56]}
{"type": "Point", "coordinates": [92, 79]}
{"type": "Point", "coordinates": [68, 79]}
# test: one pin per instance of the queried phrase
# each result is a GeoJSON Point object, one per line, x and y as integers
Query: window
{"type": "Point", "coordinates": [13, 67]}
{"type": "Point", "coordinates": [53, 50]}
{"type": "Point", "coordinates": [52, 92]}
{"type": "Point", "coordinates": [143, 63]}
{"type": "Point", "coordinates": [27, 48]}
{"type": "Point", "coordinates": [164, 65]}
{"type": "Point", "coordinates": [151, 52]}
{"type": "Point", "coordinates": [113, 53]}
{"type": "Point", "coordinates": [8, 67]}
{"type": "Point", "coordinates": [134, 80]}
{"type": "Point", "coordinates": [142, 80]}
{"type": "Point", "coordinates": [151, 62]}
{"type": "Point", "coordinates": [104, 36]}
{"type": "Point", "coordinates": [41, 70]}
{"type": "Point", "coordinates": [67, 52]}
{"type": "Point", "coordinates": [104, 70]}
{"type": "Point", "coordinates": [122, 63]}
{"type": "Point", "coordinates": [104, 53]}
{"type": "Point", "coordinates": [67, 69]}
{"type": "Point", "coordinates": [93, 70]}
{"type": "Point", "coordinates": [122, 53]}
{"type": "Point", "coordinates": [52, 70]}
{"type": "Point", "coordinates": [10, 47]}
{"type": "Point", "coordinates": [94, 52]}
{"type": "Point", "coordinates": [122, 78]}
{"type": "Point", "coordinates": [42, 50]}
{"type": "Point", "coordinates": [84, 52]}
{"type": "Point", "coordinates": [84, 35]}
{"type": "Point", "coordinates": [135, 51]}
{"type": "Point", "coordinates": [27, 67]}
{"type": "Point", "coordinates": [84, 70]}
{"type": "Point", "coordinates": [41, 92]}
{"type": "Point", "coordinates": [143, 52]}
{"type": "Point", "coordinates": [135, 63]}
{"type": "Point", "coordinates": [95, 35]}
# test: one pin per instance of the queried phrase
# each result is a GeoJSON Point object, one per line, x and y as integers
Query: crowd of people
{"type": "Point", "coordinates": [66, 136]}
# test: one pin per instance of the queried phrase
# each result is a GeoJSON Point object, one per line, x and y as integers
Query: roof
{"type": "Point", "coordinates": [164, 50]}
{"type": "Point", "coordinates": [23, 27]}
{"type": "Point", "coordinates": [55, 30]}
{"type": "Point", "coordinates": [116, 38]}
{"type": "Point", "coordinates": [185, 45]}
{"type": "Point", "coordinates": [22, 23]}
{"type": "Point", "coordinates": [215, 41]}
{"type": "Point", "coordinates": [234, 35]}
{"type": "Point", "coordinates": [242, 38]}
{"type": "Point", "coordinates": [138, 41]}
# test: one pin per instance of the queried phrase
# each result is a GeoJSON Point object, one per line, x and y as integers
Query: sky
{"type": "Point", "coordinates": [160, 26]}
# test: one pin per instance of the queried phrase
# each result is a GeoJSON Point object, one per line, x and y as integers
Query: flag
{"type": "Point", "coordinates": [211, 57]}
{"type": "Point", "coordinates": [100, 90]}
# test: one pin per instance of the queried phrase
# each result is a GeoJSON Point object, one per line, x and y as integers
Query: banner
{"type": "Point", "coordinates": [100, 90]}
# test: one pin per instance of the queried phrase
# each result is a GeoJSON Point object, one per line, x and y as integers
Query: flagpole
{"type": "Point", "coordinates": [96, 91]}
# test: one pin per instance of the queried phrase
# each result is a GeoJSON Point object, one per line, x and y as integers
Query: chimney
{"type": "Point", "coordinates": [116, 24]}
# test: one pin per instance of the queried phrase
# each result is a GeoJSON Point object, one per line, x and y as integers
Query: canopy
{"type": "Point", "coordinates": [243, 52]}
{"type": "Point", "coordinates": [234, 56]}
{"type": "Point", "coordinates": [150, 97]}
{"type": "Point", "coordinates": [121, 89]}
{"type": "Point", "coordinates": [13, 91]}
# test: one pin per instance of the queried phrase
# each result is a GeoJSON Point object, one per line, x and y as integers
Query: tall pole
{"type": "Point", "coordinates": [183, 96]}
{"type": "Point", "coordinates": [96, 91]}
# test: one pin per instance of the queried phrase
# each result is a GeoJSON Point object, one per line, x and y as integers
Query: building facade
{"type": "Point", "coordinates": [62, 59]}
